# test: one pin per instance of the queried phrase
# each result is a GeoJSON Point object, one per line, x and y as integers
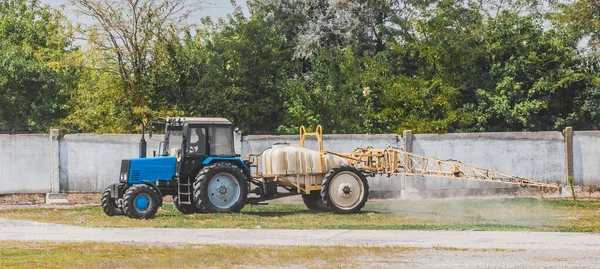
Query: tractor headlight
{"type": "Point", "coordinates": [123, 178]}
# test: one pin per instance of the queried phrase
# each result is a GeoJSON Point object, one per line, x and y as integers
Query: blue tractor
{"type": "Point", "coordinates": [196, 164]}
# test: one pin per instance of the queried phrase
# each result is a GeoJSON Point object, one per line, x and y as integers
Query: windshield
{"type": "Point", "coordinates": [173, 144]}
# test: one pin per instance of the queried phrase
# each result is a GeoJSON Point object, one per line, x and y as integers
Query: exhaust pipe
{"type": "Point", "coordinates": [143, 142]}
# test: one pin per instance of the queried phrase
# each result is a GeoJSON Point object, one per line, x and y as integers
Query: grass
{"type": "Point", "coordinates": [509, 214]}
{"type": "Point", "coordinates": [20, 254]}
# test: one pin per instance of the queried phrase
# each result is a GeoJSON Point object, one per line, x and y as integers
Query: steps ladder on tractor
{"type": "Point", "coordinates": [184, 191]}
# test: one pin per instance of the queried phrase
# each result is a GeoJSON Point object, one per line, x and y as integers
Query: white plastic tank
{"type": "Point", "coordinates": [285, 160]}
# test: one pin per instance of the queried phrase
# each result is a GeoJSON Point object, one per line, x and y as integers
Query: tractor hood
{"type": "Point", "coordinates": [148, 169]}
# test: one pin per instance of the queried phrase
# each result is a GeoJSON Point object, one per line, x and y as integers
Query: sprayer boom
{"type": "Point", "coordinates": [393, 161]}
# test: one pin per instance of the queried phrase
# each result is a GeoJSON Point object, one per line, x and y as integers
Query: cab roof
{"type": "Point", "coordinates": [198, 120]}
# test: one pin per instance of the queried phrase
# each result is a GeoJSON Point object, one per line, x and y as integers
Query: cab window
{"type": "Point", "coordinates": [221, 142]}
{"type": "Point", "coordinates": [196, 145]}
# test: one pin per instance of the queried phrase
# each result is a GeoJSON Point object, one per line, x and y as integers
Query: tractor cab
{"type": "Point", "coordinates": [197, 138]}
{"type": "Point", "coordinates": [196, 164]}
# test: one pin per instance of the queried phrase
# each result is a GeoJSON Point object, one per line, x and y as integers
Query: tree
{"type": "Point", "coordinates": [534, 77]}
{"type": "Point", "coordinates": [35, 73]}
{"type": "Point", "coordinates": [330, 94]}
{"type": "Point", "coordinates": [127, 31]}
{"type": "Point", "coordinates": [247, 66]}
{"type": "Point", "coordinates": [583, 17]}
{"type": "Point", "coordinates": [318, 25]}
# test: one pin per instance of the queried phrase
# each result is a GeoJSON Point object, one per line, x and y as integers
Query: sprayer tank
{"type": "Point", "coordinates": [290, 161]}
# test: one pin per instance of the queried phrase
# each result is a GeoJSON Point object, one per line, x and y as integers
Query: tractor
{"type": "Point", "coordinates": [196, 164]}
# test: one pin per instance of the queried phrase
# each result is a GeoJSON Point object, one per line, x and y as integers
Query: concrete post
{"type": "Point", "coordinates": [408, 138]}
{"type": "Point", "coordinates": [568, 136]}
{"type": "Point", "coordinates": [408, 180]}
{"type": "Point", "coordinates": [54, 196]}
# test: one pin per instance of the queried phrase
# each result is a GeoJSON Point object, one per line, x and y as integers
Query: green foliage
{"type": "Point", "coordinates": [583, 18]}
{"type": "Point", "coordinates": [34, 70]}
{"type": "Point", "coordinates": [329, 94]}
{"type": "Point", "coordinates": [366, 66]}
{"type": "Point", "coordinates": [531, 70]}
{"type": "Point", "coordinates": [97, 105]}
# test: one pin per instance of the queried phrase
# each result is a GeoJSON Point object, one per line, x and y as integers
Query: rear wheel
{"type": "Point", "coordinates": [221, 188]}
{"type": "Point", "coordinates": [313, 201]}
{"type": "Point", "coordinates": [141, 201]}
{"type": "Point", "coordinates": [186, 209]}
{"type": "Point", "coordinates": [110, 206]}
{"type": "Point", "coordinates": [345, 190]}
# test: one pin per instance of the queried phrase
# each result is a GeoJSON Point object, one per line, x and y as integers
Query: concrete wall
{"type": "Point", "coordinates": [25, 164]}
{"type": "Point", "coordinates": [586, 157]}
{"type": "Point", "coordinates": [89, 163]}
{"type": "Point", "coordinates": [539, 156]}
{"type": "Point", "coordinates": [536, 155]}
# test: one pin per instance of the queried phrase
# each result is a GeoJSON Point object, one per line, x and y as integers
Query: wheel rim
{"type": "Point", "coordinates": [346, 190]}
{"type": "Point", "coordinates": [223, 190]}
{"type": "Point", "coordinates": [142, 203]}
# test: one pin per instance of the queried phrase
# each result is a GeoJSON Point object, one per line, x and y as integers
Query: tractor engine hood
{"type": "Point", "coordinates": [148, 169]}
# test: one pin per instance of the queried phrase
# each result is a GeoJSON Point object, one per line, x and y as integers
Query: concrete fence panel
{"type": "Point", "coordinates": [89, 163]}
{"type": "Point", "coordinates": [535, 155]}
{"type": "Point", "coordinates": [586, 157]}
{"type": "Point", "coordinates": [25, 164]}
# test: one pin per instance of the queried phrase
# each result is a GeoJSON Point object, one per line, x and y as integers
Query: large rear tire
{"type": "Point", "coordinates": [221, 188]}
{"type": "Point", "coordinates": [141, 201]}
{"type": "Point", "coordinates": [313, 201]}
{"type": "Point", "coordinates": [186, 209]}
{"type": "Point", "coordinates": [345, 190]}
{"type": "Point", "coordinates": [110, 206]}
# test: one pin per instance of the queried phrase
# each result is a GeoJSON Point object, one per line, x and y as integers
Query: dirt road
{"type": "Point", "coordinates": [27, 230]}
{"type": "Point", "coordinates": [502, 249]}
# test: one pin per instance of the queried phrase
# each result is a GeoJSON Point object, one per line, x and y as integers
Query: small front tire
{"type": "Point", "coordinates": [141, 201]}
{"type": "Point", "coordinates": [110, 206]}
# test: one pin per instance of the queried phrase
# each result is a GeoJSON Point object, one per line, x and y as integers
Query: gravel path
{"type": "Point", "coordinates": [513, 249]}
{"type": "Point", "coordinates": [28, 230]}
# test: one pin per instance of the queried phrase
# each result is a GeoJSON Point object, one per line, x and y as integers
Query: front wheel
{"type": "Point", "coordinates": [110, 206]}
{"type": "Point", "coordinates": [141, 201]}
{"type": "Point", "coordinates": [221, 188]}
{"type": "Point", "coordinates": [345, 190]}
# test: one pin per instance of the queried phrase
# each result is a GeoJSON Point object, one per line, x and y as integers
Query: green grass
{"type": "Point", "coordinates": [510, 214]}
{"type": "Point", "coordinates": [20, 254]}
